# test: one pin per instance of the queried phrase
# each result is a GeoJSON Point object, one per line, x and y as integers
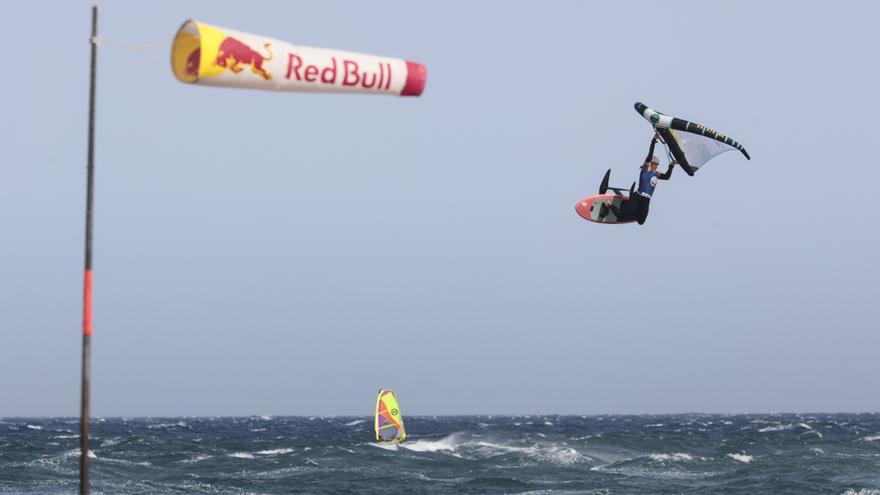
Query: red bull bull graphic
{"type": "Point", "coordinates": [234, 53]}
{"type": "Point", "coordinates": [214, 56]}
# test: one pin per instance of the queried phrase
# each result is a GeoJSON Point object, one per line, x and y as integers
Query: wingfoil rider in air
{"type": "Point", "coordinates": [636, 207]}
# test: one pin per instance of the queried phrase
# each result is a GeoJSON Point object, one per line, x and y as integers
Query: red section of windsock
{"type": "Point", "coordinates": [416, 76]}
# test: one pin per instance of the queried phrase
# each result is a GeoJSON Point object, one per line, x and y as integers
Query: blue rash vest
{"type": "Point", "coordinates": [647, 180]}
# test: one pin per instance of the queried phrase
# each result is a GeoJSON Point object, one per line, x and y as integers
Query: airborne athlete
{"type": "Point", "coordinates": [636, 207]}
{"type": "Point", "coordinates": [688, 145]}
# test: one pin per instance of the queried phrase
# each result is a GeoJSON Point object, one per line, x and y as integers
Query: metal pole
{"type": "Point", "coordinates": [87, 279]}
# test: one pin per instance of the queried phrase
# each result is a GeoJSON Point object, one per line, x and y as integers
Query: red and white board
{"type": "Point", "coordinates": [591, 208]}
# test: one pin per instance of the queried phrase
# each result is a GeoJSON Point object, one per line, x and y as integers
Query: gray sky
{"type": "Point", "coordinates": [274, 253]}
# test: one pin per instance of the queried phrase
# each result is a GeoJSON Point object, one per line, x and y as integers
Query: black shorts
{"type": "Point", "coordinates": [635, 208]}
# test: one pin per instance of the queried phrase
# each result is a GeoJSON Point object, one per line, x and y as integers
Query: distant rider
{"type": "Point", "coordinates": [636, 207]}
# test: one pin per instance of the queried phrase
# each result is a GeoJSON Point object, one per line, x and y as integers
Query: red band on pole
{"type": "Point", "coordinates": [87, 304]}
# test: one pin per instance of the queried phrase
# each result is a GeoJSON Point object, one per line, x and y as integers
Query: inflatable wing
{"type": "Point", "coordinates": [690, 143]}
{"type": "Point", "coordinates": [215, 56]}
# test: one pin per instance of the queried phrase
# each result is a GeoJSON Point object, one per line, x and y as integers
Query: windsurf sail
{"type": "Point", "coordinates": [691, 144]}
{"type": "Point", "coordinates": [389, 422]}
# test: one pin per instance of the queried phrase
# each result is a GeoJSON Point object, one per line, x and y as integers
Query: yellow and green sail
{"type": "Point", "coordinates": [389, 421]}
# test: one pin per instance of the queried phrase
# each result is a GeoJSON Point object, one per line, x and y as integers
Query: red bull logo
{"type": "Point", "coordinates": [192, 63]}
{"type": "Point", "coordinates": [351, 75]}
{"type": "Point", "coordinates": [233, 55]}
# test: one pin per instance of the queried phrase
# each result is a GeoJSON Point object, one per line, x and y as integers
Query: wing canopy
{"type": "Point", "coordinates": [690, 143]}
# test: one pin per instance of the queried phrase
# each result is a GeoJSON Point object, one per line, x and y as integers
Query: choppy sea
{"type": "Point", "coordinates": [737, 454]}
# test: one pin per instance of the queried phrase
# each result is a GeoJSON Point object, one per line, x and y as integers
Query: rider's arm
{"type": "Point", "coordinates": [668, 173]}
{"type": "Point", "coordinates": [651, 149]}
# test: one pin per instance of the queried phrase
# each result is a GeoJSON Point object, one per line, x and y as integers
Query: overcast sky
{"type": "Point", "coordinates": [276, 253]}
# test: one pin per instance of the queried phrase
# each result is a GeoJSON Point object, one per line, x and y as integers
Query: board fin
{"type": "Point", "coordinates": [603, 188]}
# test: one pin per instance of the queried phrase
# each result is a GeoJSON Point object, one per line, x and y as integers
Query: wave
{"type": "Point", "coordinates": [179, 424]}
{"type": "Point", "coordinates": [34, 427]}
{"type": "Point", "coordinates": [872, 438]}
{"type": "Point", "coordinates": [111, 441]}
{"type": "Point", "coordinates": [785, 427]}
{"type": "Point", "coordinates": [275, 451]}
{"type": "Point", "coordinates": [741, 457]}
{"type": "Point", "coordinates": [385, 446]}
{"type": "Point", "coordinates": [356, 422]}
{"type": "Point", "coordinates": [76, 453]}
{"type": "Point", "coordinates": [448, 443]}
{"type": "Point", "coordinates": [674, 457]}
{"type": "Point", "coordinates": [240, 455]}
{"type": "Point", "coordinates": [457, 446]}
{"type": "Point", "coordinates": [124, 462]}
{"type": "Point", "coordinates": [676, 466]}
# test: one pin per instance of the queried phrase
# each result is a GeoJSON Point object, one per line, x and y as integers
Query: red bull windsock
{"type": "Point", "coordinates": [215, 56]}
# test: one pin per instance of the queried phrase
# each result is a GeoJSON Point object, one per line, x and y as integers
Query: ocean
{"type": "Point", "coordinates": [538, 454]}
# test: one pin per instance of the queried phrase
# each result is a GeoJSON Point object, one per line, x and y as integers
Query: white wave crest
{"type": "Point", "coordinates": [553, 454]}
{"type": "Point", "coordinates": [124, 462]}
{"type": "Point", "coordinates": [275, 451]}
{"type": "Point", "coordinates": [674, 457]}
{"type": "Point", "coordinates": [34, 427]}
{"type": "Point", "coordinates": [76, 453]}
{"type": "Point", "coordinates": [240, 455]}
{"type": "Point", "coordinates": [448, 443]}
{"type": "Point", "coordinates": [862, 491]}
{"type": "Point", "coordinates": [110, 441]}
{"type": "Point", "coordinates": [356, 422]}
{"type": "Point", "coordinates": [179, 424]}
{"type": "Point", "coordinates": [457, 446]}
{"type": "Point", "coordinates": [785, 427]}
{"type": "Point", "coordinates": [741, 457]}
{"type": "Point", "coordinates": [768, 429]}
{"type": "Point", "coordinates": [872, 438]}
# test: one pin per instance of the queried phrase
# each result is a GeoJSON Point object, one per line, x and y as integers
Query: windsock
{"type": "Point", "coordinates": [215, 56]}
